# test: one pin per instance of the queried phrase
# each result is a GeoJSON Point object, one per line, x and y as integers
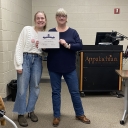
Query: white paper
{"type": "Point", "coordinates": [48, 40]}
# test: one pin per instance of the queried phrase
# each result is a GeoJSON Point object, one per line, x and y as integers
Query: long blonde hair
{"type": "Point", "coordinates": [45, 18]}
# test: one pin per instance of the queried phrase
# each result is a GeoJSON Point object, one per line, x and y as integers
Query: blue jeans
{"type": "Point", "coordinates": [28, 80]}
{"type": "Point", "coordinates": [72, 83]}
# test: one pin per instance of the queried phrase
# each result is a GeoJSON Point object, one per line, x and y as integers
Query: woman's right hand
{"type": "Point", "coordinates": [37, 43]}
{"type": "Point", "coordinates": [19, 71]}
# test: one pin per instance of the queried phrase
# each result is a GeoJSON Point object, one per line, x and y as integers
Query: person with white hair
{"type": "Point", "coordinates": [61, 62]}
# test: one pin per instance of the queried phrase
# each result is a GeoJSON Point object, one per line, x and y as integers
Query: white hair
{"type": "Point", "coordinates": [61, 11]}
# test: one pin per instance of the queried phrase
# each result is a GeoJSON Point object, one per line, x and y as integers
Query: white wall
{"type": "Point", "coordinates": [87, 17]}
{"type": "Point", "coordinates": [14, 15]}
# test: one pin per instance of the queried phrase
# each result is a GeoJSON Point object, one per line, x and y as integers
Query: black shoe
{"type": "Point", "coordinates": [33, 117]}
{"type": "Point", "coordinates": [22, 121]}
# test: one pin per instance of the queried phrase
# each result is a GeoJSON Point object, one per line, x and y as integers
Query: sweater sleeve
{"type": "Point", "coordinates": [18, 56]}
{"type": "Point", "coordinates": [78, 42]}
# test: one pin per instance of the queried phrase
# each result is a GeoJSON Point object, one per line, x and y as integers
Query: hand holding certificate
{"type": "Point", "coordinates": [48, 40]}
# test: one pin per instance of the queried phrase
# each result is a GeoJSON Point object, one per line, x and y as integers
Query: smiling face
{"type": "Point", "coordinates": [40, 20]}
{"type": "Point", "coordinates": [61, 19]}
{"type": "Point", "coordinates": [61, 16]}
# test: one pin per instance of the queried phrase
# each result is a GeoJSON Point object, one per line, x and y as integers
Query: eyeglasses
{"type": "Point", "coordinates": [63, 16]}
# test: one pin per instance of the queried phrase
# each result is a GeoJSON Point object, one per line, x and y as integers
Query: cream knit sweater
{"type": "Point", "coordinates": [25, 43]}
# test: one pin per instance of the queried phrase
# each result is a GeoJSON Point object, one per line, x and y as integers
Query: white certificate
{"type": "Point", "coordinates": [48, 40]}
